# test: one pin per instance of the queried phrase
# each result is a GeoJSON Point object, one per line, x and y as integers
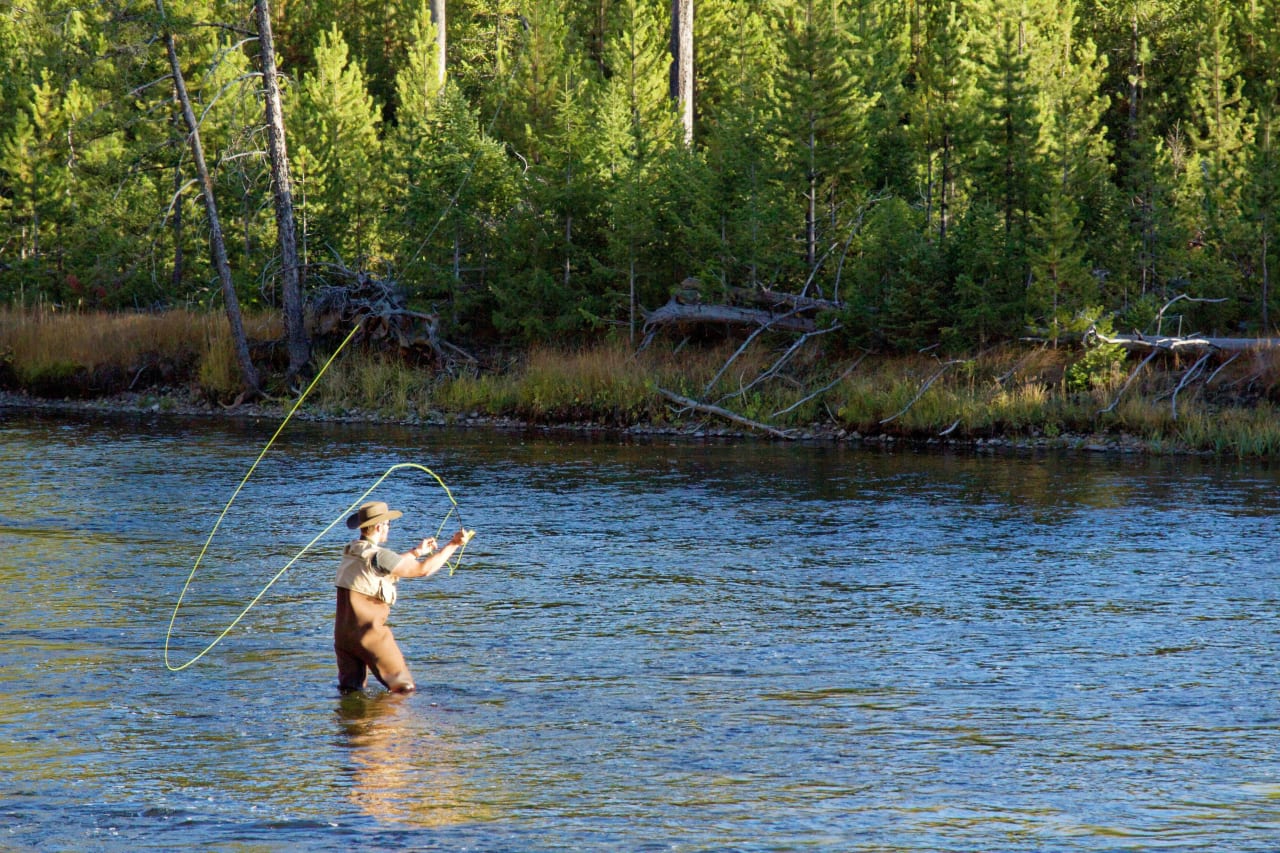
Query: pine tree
{"type": "Point", "coordinates": [820, 123]}
{"type": "Point", "coordinates": [1153, 50]}
{"type": "Point", "coordinates": [1219, 132]}
{"type": "Point", "coordinates": [738, 62]}
{"type": "Point", "coordinates": [943, 107]}
{"type": "Point", "coordinates": [545, 63]}
{"type": "Point", "coordinates": [637, 138]}
{"type": "Point", "coordinates": [1006, 170]}
{"type": "Point", "coordinates": [1261, 199]}
{"type": "Point", "coordinates": [1077, 187]}
{"type": "Point", "coordinates": [883, 29]}
{"type": "Point", "coordinates": [339, 154]}
{"type": "Point", "coordinates": [1211, 176]}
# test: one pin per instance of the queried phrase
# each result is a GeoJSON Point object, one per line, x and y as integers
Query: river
{"type": "Point", "coordinates": [650, 645]}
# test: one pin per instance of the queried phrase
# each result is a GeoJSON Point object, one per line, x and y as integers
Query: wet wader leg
{"type": "Point", "coordinates": [352, 668]}
{"type": "Point", "coordinates": [387, 663]}
{"type": "Point", "coordinates": [352, 672]}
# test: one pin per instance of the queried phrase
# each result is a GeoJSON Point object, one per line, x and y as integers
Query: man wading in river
{"type": "Point", "coordinates": [366, 590]}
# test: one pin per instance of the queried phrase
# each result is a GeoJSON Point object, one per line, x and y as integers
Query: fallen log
{"type": "Point", "coordinates": [1174, 343]}
{"type": "Point", "coordinates": [723, 413]}
{"type": "Point", "coordinates": [676, 313]}
{"type": "Point", "coordinates": [775, 299]}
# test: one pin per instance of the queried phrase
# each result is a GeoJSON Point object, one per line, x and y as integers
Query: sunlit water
{"type": "Point", "coordinates": [649, 646]}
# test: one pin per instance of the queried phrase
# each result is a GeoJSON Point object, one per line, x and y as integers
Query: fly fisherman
{"type": "Point", "coordinates": [366, 590]}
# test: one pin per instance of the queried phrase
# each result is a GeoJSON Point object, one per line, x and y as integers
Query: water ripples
{"type": "Point", "coordinates": [650, 646]}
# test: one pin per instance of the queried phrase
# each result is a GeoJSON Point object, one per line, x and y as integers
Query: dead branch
{"type": "Point", "coordinates": [1180, 296]}
{"type": "Point", "coordinates": [751, 337]}
{"type": "Point", "coordinates": [723, 413]}
{"type": "Point", "coordinates": [825, 388]}
{"type": "Point", "coordinates": [774, 299]}
{"type": "Point", "coordinates": [1005, 377]}
{"type": "Point", "coordinates": [779, 362]}
{"type": "Point", "coordinates": [923, 389]}
{"type": "Point", "coordinates": [1133, 375]}
{"type": "Point", "coordinates": [1219, 369]}
{"type": "Point", "coordinates": [1187, 377]}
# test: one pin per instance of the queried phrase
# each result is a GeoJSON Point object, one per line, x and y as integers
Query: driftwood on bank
{"type": "Point", "coordinates": [1153, 345]}
{"type": "Point", "coordinates": [676, 313]}
{"type": "Point", "coordinates": [381, 308]}
{"type": "Point", "coordinates": [775, 299]}
{"type": "Point", "coordinates": [707, 408]}
{"type": "Point", "coordinates": [760, 311]}
{"type": "Point", "coordinates": [1170, 343]}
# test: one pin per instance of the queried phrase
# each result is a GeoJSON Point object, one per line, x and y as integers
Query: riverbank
{"type": "Point", "coordinates": [1012, 396]}
{"type": "Point", "coordinates": [179, 404]}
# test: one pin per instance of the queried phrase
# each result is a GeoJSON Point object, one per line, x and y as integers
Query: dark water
{"type": "Point", "coordinates": [649, 646]}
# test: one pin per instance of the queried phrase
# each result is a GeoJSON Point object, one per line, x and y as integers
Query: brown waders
{"type": "Point", "coordinates": [363, 642]}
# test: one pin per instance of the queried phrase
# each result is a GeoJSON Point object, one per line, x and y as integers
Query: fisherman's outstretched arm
{"type": "Point", "coordinates": [412, 564]}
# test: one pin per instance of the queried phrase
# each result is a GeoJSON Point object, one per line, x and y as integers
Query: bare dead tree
{"type": "Point", "coordinates": [438, 18]}
{"type": "Point", "coordinates": [217, 245]}
{"type": "Point", "coordinates": [682, 63]}
{"type": "Point", "coordinates": [298, 345]}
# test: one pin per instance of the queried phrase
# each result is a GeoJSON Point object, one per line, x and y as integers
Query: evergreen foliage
{"type": "Point", "coordinates": [953, 172]}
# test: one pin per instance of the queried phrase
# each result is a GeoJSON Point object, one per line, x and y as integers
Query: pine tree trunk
{"type": "Point", "coordinates": [216, 244]}
{"type": "Point", "coordinates": [282, 193]}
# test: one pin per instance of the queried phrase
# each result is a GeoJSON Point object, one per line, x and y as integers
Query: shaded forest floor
{"type": "Point", "coordinates": [1025, 395]}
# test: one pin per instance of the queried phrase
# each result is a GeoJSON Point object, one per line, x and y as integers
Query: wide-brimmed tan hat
{"type": "Point", "coordinates": [374, 512]}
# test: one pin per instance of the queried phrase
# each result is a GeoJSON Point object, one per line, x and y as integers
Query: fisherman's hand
{"type": "Point", "coordinates": [459, 539]}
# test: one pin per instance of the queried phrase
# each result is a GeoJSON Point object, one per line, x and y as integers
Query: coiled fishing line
{"type": "Point", "coordinates": [399, 466]}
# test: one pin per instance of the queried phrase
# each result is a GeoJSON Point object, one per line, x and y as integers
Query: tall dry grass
{"type": "Point", "coordinates": [374, 383]}
{"type": "Point", "coordinates": [1010, 391]}
{"type": "Point", "coordinates": [42, 343]}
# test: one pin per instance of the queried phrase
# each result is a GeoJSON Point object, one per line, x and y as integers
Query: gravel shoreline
{"type": "Point", "coordinates": [173, 403]}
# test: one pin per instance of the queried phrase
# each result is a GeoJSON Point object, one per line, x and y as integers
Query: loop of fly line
{"type": "Point", "coordinates": [453, 510]}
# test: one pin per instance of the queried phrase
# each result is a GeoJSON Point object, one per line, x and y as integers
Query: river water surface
{"type": "Point", "coordinates": [650, 645]}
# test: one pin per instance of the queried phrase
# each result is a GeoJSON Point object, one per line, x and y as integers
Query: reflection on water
{"type": "Point", "coordinates": [650, 645]}
{"type": "Point", "coordinates": [401, 769]}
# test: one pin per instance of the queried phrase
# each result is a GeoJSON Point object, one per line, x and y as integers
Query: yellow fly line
{"type": "Point", "coordinates": [400, 466]}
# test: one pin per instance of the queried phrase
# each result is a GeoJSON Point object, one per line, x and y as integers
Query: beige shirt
{"type": "Point", "coordinates": [366, 568]}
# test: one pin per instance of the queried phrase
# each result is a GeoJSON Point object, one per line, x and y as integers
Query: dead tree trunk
{"type": "Point", "coordinates": [438, 18]}
{"type": "Point", "coordinates": [282, 193]}
{"type": "Point", "coordinates": [216, 244]}
{"type": "Point", "coordinates": [682, 63]}
{"type": "Point", "coordinates": [675, 313]}
{"type": "Point", "coordinates": [1171, 343]}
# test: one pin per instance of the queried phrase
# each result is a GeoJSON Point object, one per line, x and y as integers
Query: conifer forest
{"type": "Point", "coordinates": [949, 173]}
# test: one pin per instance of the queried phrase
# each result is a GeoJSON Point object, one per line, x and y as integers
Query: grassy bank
{"type": "Point", "coordinates": [1018, 393]}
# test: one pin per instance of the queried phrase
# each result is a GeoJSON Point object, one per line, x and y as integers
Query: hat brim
{"type": "Point", "coordinates": [353, 521]}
